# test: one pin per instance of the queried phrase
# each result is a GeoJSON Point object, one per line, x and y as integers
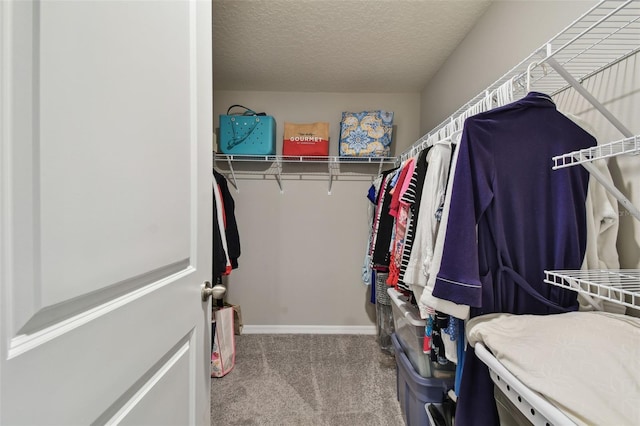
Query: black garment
{"type": "Point", "coordinates": [231, 229]}
{"type": "Point", "coordinates": [219, 255]}
{"type": "Point", "coordinates": [381, 256]}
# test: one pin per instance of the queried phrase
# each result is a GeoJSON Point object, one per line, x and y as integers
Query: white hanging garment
{"type": "Point", "coordinates": [603, 221]}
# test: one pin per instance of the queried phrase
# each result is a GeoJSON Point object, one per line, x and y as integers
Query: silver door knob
{"type": "Point", "coordinates": [216, 291]}
{"type": "Point", "coordinates": [207, 291]}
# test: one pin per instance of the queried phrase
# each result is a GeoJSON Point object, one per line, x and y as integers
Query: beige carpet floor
{"type": "Point", "coordinates": [327, 380]}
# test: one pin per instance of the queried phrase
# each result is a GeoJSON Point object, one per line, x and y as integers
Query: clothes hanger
{"type": "Point", "coordinates": [488, 100]}
{"type": "Point", "coordinates": [504, 93]}
{"type": "Point", "coordinates": [529, 69]}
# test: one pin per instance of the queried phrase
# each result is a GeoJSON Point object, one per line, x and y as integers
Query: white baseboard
{"type": "Point", "coordinates": [309, 329]}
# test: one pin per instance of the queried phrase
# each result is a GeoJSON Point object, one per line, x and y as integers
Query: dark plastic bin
{"type": "Point", "coordinates": [414, 391]}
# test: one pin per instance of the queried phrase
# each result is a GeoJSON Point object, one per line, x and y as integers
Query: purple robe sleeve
{"type": "Point", "coordinates": [459, 279]}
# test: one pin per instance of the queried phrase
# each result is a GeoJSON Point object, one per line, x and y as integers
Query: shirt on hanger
{"type": "Point", "coordinates": [529, 217]}
{"type": "Point", "coordinates": [511, 217]}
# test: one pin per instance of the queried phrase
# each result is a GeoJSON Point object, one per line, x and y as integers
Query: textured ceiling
{"type": "Point", "coordinates": [336, 45]}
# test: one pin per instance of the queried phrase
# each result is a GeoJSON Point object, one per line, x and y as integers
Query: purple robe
{"type": "Point", "coordinates": [528, 217]}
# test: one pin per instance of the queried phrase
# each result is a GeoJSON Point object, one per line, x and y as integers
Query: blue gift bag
{"type": "Point", "coordinates": [247, 133]}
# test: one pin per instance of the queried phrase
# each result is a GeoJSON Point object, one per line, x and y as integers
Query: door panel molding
{"type": "Point", "coordinates": [57, 320]}
{"type": "Point", "coordinates": [19, 214]}
{"type": "Point", "coordinates": [180, 353]}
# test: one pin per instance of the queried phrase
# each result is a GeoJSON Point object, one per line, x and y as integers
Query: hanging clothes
{"type": "Point", "coordinates": [367, 272]}
{"type": "Point", "coordinates": [411, 199]}
{"type": "Point", "coordinates": [383, 225]}
{"type": "Point", "coordinates": [529, 217]}
{"type": "Point", "coordinates": [427, 301]}
{"type": "Point", "coordinates": [226, 238]}
{"type": "Point", "coordinates": [427, 219]}
{"type": "Point", "coordinates": [603, 222]}
{"type": "Point", "coordinates": [220, 257]}
{"type": "Point", "coordinates": [511, 217]}
{"type": "Point", "coordinates": [400, 212]}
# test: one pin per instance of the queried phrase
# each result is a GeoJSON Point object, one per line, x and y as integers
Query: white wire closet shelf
{"type": "Point", "coordinates": [280, 166]}
{"type": "Point", "coordinates": [305, 159]}
{"type": "Point", "coordinates": [617, 286]}
{"type": "Point", "coordinates": [624, 146]}
{"type": "Point", "coordinates": [585, 157]}
{"type": "Point", "coordinates": [605, 35]}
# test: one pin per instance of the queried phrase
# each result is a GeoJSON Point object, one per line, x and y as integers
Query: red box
{"type": "Point", "coordinates": [306, 140]}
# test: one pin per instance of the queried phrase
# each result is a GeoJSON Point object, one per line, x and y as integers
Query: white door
{"type": "Point", "coordinates": [105, 211]}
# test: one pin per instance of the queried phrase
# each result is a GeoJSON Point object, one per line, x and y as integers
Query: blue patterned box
{"type": "Point", "coordinates": [366, 134]}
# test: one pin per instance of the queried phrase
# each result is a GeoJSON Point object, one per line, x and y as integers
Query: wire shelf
{"type": "Point", "coordinates": [304, 159]}
{"type": "Point", "coordinates": [624, 146]}
{"type": "Point", "coordinates": [621, 286]}
{"type": "Point", "coordinates": [605, 35]}
{"type": "Point", "coordinates": [281, 167]}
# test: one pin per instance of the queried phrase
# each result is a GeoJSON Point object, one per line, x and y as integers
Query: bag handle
{"type": "Point", "coordinates": [247, 111]}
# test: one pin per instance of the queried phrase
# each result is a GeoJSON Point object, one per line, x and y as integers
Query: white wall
{"type": "Point", "coordinates": [303, 250]}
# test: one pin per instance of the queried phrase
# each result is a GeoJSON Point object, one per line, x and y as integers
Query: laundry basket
{"type": "Point", "coordinates": [384, 313]}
